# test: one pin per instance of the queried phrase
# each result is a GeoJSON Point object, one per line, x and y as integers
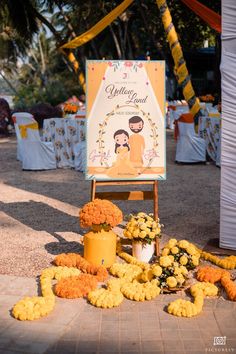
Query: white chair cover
{"type": "Point", "coordinates": [189, 148]}
{"type": "Point", "coordinates": [21, 118]}
{"type": "Point", "coordinates": [34, 154]}
{"type": "Point", "coordinates": [80, 156]}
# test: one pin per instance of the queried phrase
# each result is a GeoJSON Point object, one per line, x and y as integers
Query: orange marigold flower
{"type": "Point", "coordinates": [100, 212]}
{"type": "Point", "coordinates": [76, 286]}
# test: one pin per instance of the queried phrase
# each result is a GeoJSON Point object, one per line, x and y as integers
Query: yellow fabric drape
{"type": "Point", "coordinates": [23, 129]}
{"type": "Point", "coordinates": [75, 65]}
{"type": "Point", "coordinates": [181, 70]}
{"type": "Point", "coordinates": [99, 27]}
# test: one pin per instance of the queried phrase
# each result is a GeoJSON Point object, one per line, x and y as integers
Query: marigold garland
{"type": "Point", "coordinates": [76, 286]}
{"type": "Point", "coordinates": [105, 298]}
{"type": "Point", "coordinates": [35, 307]}
{"type": "Point", "coordinates": [185, 308]}
{"type": "Point", "coordinates": [100, 212]}
{"type": "Point", "coordinates": [75, 260]}
{"type": "Point", "coordinates": [141, 291]}
{"type": "Point", "coordinates": [130, 259]}
{"type": "Point", "coordinates": [127, 271]}
{"type": "Point", "coordinates": [210, 274]}
{"type": "Point", "coordinates": [229, 286]}
{"type": "Point", "coordinates": [214, 275]}
{"type": "Point", "coordinates": [226, 263]}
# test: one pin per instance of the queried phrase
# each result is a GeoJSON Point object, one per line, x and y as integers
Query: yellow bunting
{"type": "Point", "coordinates": [98, 27]}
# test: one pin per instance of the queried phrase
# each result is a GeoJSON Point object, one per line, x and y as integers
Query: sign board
{"type": "Point", "coordinates": [126, 120]}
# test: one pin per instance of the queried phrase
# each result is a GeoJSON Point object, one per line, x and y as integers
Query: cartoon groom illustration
{"type": "Point", "coordinates": [136, 141]}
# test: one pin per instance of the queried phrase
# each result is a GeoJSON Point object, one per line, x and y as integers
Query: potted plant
{"type": "Point", "coordinates": [143, 230]}
{"type": "Point", "coordinates": [100, 243]}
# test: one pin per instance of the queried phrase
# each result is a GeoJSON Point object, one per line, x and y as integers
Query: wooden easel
{"type": "Point", "coordinates": [129, 195]}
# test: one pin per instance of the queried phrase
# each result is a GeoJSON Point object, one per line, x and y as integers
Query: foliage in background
{"type": "Point", "coordinates": [32, 30]}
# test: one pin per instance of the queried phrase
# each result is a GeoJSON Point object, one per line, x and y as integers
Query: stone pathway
{"type": "Point", "coordinates": [77, 327]}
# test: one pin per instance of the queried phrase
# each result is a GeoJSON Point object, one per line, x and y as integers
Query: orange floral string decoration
{"type": "Point", "coordinates": [213, 275]}
{"type": "Point", "coordinates": [229, 286]}
{"type": "Point", "coordinates": [101, 213]}
{"type": "Point", "coordinates": [76, 286]}
{"type": "Point", "coordinates": [75, 260]}
{"type": "Point", "coordinates": [210, 274]}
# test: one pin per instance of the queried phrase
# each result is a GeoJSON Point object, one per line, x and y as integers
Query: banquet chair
{"type": "Point", "coordinates": [80, 156]}
{"type": "Point", "coordinates": [34, 154]}
{"type": "Point", "coordinates": [189, 148]}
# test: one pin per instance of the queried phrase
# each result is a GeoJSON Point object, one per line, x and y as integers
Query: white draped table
{"type": "Point", "coordinates": [209, 128]}
{"type": "Point", "coordinates": [65, 133]}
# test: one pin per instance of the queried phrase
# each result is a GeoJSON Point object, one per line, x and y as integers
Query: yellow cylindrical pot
{"type": "Point", "coordinates": [100, 247]}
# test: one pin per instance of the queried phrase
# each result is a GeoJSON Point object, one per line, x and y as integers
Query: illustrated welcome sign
{"type": "Point", "coordinates": [125, 120]}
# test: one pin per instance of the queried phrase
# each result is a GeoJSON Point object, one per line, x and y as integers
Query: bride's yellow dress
{"type": "Point", "coordinates": [122, 167]}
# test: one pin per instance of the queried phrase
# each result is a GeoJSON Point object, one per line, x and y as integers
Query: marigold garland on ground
{"type": "Point", "coordinates": [214, 275]}
{"type": "Point", "coordinates": [75, 260]}
{"type": "Point", "coordinates": [141, 291]}
{"type": "Point", "coordinates": [127, 271]}
{"type": "Point", "coordinates": [76, 286]}
{"type": "Point", "coordinates": [35, 307]}
{"type": "Point", "coordinates": [185, 308]}
{"type": "Point", "coordinates": [100, 212]}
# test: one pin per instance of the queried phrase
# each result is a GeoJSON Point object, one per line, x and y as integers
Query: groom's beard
{"type": "Point", "coordinates": [136, 130]}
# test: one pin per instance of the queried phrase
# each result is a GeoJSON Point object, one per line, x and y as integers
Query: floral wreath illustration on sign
{"type": "Point", "coordinates": [102, 130]}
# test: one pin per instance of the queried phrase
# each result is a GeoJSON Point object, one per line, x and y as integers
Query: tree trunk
{"type": "Point", "coordinates": [117, 45]}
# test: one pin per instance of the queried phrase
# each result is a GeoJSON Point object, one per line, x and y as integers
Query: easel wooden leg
{"type": "Point", "coordinates": [155, 199]}
{"type": "Point", "coordinates": [93, 189]}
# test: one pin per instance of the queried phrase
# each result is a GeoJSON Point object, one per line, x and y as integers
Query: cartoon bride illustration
{"type": "Point", "coordinates": [122, 167]}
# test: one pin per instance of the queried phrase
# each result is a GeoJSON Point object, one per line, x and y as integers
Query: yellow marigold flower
{"type": "Point", "coordinates": [165, 252]}
{"type": "Point", "coordinates": [180, 279]}
{"type": "Point", "coordinates": [177, 271]}
{"type": "Point", "coordinates": [174, 250]}
{"type": "Point", "coordinates": [141, 214]}
{"type": "Point", "coordinates": [141, 220]}
{"type": "Point", "coordinates": [165, 261]}
{"type": "Point", "coordinates": [151, 234]}
{"type": "Point", "coordinates": [191, 250]}
{"type": "Point", "coordinates": [127, 234]}
{"type": "Point", "coordinates": [171, 258]}
{"type": "Point", "coordinates": [143, 227]}
{"type": "Point", "coordinates": [195, 260]}
{"type": "Point", "coordinates": [183, 260]}
{"type": "Point", "coordinates": [135, 233]}
{"type": "Point", "coordinates": [142, 234]}
{"type": "Point", "coordinates": [157, 270]}
{"type": "Point", "coordinates": [183, 244]}
{"type": "Point", "coordinates": [171, 282]}
{"type": "Point", "coordinates": [172, 242]}
{"type": "Point", "coordinates": [184, 270]}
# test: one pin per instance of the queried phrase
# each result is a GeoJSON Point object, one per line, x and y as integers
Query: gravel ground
{"type": "Point", "coordinates": [38, 210]}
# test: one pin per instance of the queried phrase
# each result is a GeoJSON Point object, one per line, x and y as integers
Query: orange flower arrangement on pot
{"type": "Point", "coordinates": [100, 242]}
{"type": "Point", "coordinates": [100, 214]}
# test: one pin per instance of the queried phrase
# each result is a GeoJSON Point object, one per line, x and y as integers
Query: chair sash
{"type": "Point", "coordinates": [184, 118]}
{"type": "Point", "coordinates": [23, 129]}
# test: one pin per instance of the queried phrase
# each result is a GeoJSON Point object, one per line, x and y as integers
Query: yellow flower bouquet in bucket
{"type": "Point", "coordinates": [143, 230]}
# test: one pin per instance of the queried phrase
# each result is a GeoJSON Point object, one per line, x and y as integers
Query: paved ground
{"type": "Point", "coordinates": [77, 327]}
{"type": "Point", "coordinates": [38, 219]}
